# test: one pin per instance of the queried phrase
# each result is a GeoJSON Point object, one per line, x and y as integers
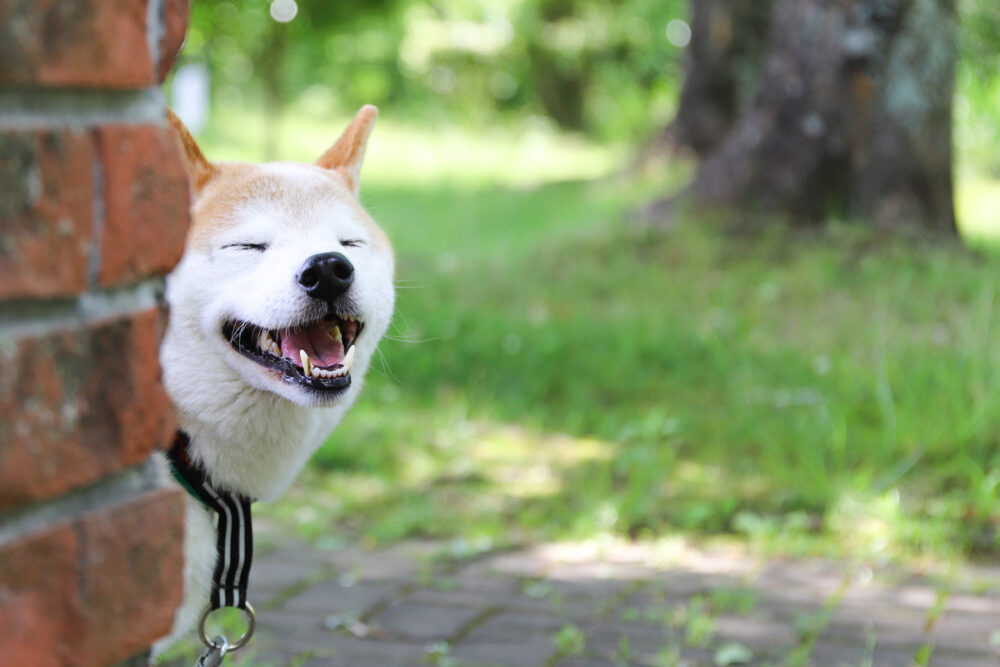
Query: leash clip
{"type": "Point", "coordinates": [219, 647]}
{"type": "Point", "coordinates": [216, 652]}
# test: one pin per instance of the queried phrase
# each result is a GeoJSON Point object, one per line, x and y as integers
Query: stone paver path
{"type": "Point", "coordinates": [584, 605]}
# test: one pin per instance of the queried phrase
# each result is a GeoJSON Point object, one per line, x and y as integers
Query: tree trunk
{"type": "Point", "coordinates": [852, 117]}
{"type": "Point", "coordinates": [723, 60]}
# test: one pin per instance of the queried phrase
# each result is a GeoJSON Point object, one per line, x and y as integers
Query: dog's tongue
{"type": "Point", "coordinates": [316, 340]}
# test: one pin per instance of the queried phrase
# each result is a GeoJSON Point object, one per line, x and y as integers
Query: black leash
{"type": "Point", "coordinates": [234, 545]}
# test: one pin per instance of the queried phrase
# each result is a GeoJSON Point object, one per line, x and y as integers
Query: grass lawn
{"type": "Point", "coordinates": [556, 370]}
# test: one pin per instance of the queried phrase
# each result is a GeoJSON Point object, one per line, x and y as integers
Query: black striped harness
{"type": "Point", "coordinates": [235, 527]}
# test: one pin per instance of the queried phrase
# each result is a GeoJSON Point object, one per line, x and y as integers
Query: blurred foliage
{"type": "Point", "coordinates": [607, 67]}
{"type": "Point", "coordinates": [604, 67]}
{"type": "Point", "coordinates": [978, 101]}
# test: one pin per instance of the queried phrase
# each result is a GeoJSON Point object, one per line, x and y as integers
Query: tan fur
{"type": "Point", "coordinates": [223, 187]}
{"type": "Point", "coordinates": [346, 155]}
{"type": "Point", "coordinates": [200, 170]}
{"type": "Point", "coordinates": [236, 183]}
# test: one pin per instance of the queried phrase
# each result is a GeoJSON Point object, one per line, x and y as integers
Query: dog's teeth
{"type": "Point", "coordinates": [316, 372]}
{"type": "Point", "coordinates": [267, 344]}
{"type": "Point", "coordinates": [348, 359]}
{"type": "Point", "coordinates": [335, 333]}
{"type": "Point", "coordinates": [306, 362]}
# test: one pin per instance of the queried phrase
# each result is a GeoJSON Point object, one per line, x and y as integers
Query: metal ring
{"type": "Point", "coordinates": [239, 643]}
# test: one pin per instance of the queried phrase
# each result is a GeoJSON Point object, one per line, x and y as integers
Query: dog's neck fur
{"type": "Point", "coordinates": [248, 440]}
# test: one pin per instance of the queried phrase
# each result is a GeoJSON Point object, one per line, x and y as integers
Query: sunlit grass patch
{"type": "Point", "coordinates": [977, 203]}
{"type": "Point", "coordinates": [446, 475]}
{"type": "Point", "coordinates": [400, 153]}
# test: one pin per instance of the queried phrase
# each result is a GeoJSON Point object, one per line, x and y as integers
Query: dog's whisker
{"type": "Point", "coordinates": [239, 332]}
{"type": "Point", "coordinates": [409, 340]}
{"type": "Point", "coordinates": [386, 371]}
{"type": "Point", "coordinates": [405, 323]}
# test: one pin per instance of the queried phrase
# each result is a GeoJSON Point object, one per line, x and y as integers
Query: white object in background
{"type": "Point", "coordinates": [189, 95]}
{"type": "Point", "coordinates": [283, 11]}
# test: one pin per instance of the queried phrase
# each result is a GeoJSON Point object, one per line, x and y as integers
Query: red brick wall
{"type": "Point", "coordinates": [93, 213]}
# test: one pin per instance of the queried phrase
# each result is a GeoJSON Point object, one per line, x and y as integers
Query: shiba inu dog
{"type": "Point", "coordinates": [276, 308]}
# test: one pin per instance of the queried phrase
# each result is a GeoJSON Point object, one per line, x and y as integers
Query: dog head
{"type": "Point", "coordinates": [286, 282]}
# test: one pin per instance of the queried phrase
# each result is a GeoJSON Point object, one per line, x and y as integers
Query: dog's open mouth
{"type": "Point", "coordinates": [317, 355]}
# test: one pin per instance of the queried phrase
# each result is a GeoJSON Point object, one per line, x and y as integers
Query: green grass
{"type": "Point", "coordinates": [557, 370]}
{"type": "Point", "coordinates": [790, 389]}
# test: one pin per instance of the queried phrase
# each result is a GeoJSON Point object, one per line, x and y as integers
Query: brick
{"type": "Point", "coordinates": [423, 621]}
{"type": "Point", "coordinates": [46, 205]}
{"type": "Point", "coordinates": [146, 197]}
{"type": "Point", "coordinates": [175, 21]}
{"type": "Point", "coordinates": [350, 652]}
{"type": "Point", "coordinates": [77, 405]}
{"type": "Point", "coordinates": [507, 625]}
{"type": "Point", "coordinates": [96, 590]}
{"type": "Point", "coordinates": [297, 631]}
{"type": "Point", "coordinates": [78, 43]}
{"type": "Point", "coordinates": [329, 597]}
{"type": "Point", "coordinates": [512, 652]}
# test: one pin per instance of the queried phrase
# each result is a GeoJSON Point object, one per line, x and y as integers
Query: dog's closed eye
{"type": "Point", "coordinates": [352, 243]}
{"type": "Point", "coordinates": [259, 247]}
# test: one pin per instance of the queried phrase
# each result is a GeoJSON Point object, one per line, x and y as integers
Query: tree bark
{"type": "Point", "coordinates": [721, 69]}
{"type": "Point", "coordinates": [851, 118]}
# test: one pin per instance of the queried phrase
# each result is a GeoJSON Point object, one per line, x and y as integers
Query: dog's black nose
{"type": "Point", "coordinates": [326, 276]}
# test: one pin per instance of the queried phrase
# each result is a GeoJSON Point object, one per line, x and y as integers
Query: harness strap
{"type": "Point", "coordinates": [234, 547]}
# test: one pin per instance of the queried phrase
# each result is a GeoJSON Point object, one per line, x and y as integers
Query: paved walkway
{"type": "Point", "coordinates": [584, 605]}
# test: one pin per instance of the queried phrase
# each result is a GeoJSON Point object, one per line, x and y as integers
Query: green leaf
{"type": "Point", "coordinates": [733, 654]}
{"type": "Point", "coordinates": [570, 640]}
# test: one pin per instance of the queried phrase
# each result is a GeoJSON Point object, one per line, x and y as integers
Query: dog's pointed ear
{"type": "Point", "coordinates": [200, 170]}
{"type": "Point", "coordinates": [346, 156]}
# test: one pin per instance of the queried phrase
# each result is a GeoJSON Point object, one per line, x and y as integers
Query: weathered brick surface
{"type": "Point", "coordinates": [146, 202]}
{"type": "Point", "coordinates": [85, 205]}
{"type": "Point", "coordinates": [46, 207]}
{"type": "Point", "coordinates": [77, 405]}
{"type": "Point", "coordinates": [75, 43]}
{"type": "Point", "coordinates": [36, 587]}
{"type": "Point", "coordinates": [96, 590]}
